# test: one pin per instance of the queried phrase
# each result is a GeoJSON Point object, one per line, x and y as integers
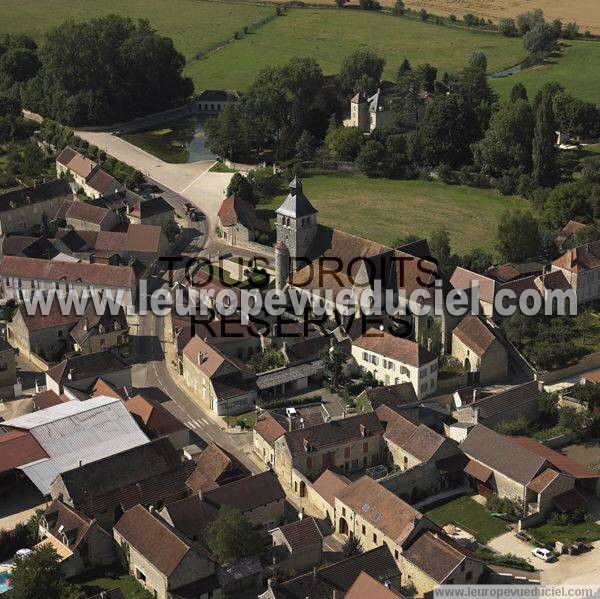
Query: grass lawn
{"type": "Point", "coordinates": [383, 209]}
{"type": "Point", "coordinates": [317, 33]}
{"type": "Point", "coordinates": [548, 533]}
{"type": "Point", "coordinates": [470, 516]}
{"type": "Point", "coordinates": [245, 420]}
{"type": "Point", "coordinates": [194, 25]}
{"type": "Point", "coordinates": [96, 581]}
{"type": "Point", "coordinates": [577, 70]}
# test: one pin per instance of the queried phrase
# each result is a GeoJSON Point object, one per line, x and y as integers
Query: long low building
{"type": "Point", "coordinates": [22, 276]}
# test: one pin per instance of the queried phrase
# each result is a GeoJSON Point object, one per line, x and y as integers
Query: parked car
{"type": "Point", "coordinates": [543, 553]}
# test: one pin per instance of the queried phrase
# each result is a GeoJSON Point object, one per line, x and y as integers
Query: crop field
{"type": "Point", "coordinates": [318, 32]}
{"type": "Point", "coordinates": [384, 210]}
{"type": "Point", "coordinates": [578, 70]}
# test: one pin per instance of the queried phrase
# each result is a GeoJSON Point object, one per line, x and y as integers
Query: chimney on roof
{"type": "Point", "coordinates": [314, 571]}
{"type": "Point", "coordinates": [70, 375]}
{"type": "Point", "coordinates": [201, 358]}
{"type": "Point", "coordinates": [571, 258]}
{"type": "Point", "coordinates": [429, 344]}
{"type": "Point", "coordinates": [474, 394]}
{"type": "Point", "coordinates": [335, 595]}
{"type": "Point", "coordinates": [151, 509]}
{"type": "Point", "coordinates": [85, 324]}
{"type": "Point", "coordinates": [301, 514]}
{"type": "Point", "coordinates": [306, 444]}
{"type": "Point", "coordinates": [301, 422]}
{"type": "Point", "coordinates": [80, 463]}
{"type": "Point", "coordinates": [363, 430]}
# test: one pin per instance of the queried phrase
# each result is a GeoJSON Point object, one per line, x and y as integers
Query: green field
{"type": "Point", "coordinates": [469, 515]}
{"type": "Point", "coordinates": [194, 25]}
{"type": "Point", "coordinates": [318, 33]}
{"type": "Point", "coordinates": [578, 70]}
{"type": "Point", "coordinates": [384, 209]}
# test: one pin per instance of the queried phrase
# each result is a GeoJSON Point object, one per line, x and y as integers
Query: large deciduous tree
{"type": "Point", "coordinates": [360, 67]}
{"type": "Point", "coordinates": [518, 236]}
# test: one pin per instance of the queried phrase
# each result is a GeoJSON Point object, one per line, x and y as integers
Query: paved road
{"type": "Point", "coordinates": [193, 181]}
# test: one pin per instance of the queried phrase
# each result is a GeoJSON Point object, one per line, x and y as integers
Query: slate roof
{"type": "Point", "coordinates": [247, 493]}
{"type": "Point", "coordinates": [151, 207]}
{"type": "Point", "coordinates": [42, 192]}
{"type": "Point", "coordinates": [296, 204]}
{"type": "Point", "coordinates": [93, 274]}
{"type": "Point", "coordinates": [18, 448]}
{"type": "Point", "coordinates": [329, 484]}
{"type": "Point", "coordinates": [331, 434]}
{"type": "Point", "coordinates": [501, 453]}
{"type": "Point", "coordinates": [448, 555]}
{"type": "Point", "coordinates": [508, 400]}
{"type": "Point", "coordinates": [474, 334]}
{"type": "Point", "coordinates": [395, 348]}
{"type": "Point", "coordinates": [162, 545]}
{"type": "Point", "coordinates": [381, 508]}
{"type": "Point", "coordinates": [301, 534]}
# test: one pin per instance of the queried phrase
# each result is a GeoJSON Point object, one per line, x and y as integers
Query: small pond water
{"type": "Point", "coordinates": [4, 586]}
{"type": "Point", "coordinates": [177, 141]}
{"type": "Point", "coordinates": [510, 71]}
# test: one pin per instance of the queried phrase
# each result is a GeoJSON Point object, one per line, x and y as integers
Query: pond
{"type": "Point", "coordinates": [4, 582]}
{"type": "Point", "coordinates": [177, 141]}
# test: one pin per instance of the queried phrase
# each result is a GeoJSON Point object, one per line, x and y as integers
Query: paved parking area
{"type": "Point", "coordinates": [568, 569]}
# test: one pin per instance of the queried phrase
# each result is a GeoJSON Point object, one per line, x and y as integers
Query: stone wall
{"type": "Point", "coordinates": [586, 363]}
{"type": "Point", "coordinates": [419, 480]}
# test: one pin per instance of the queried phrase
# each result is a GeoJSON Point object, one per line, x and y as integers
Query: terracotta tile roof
{"type": "Point", "coordinates": [86, 212]}
{"type": "Point", "coordinates": [301, 534]}
{"type": "Point", "coordinates": [153, 418]}
{"type": "Point", "coordinates": [555, 280]}
{"type": "Point", "coordinates": [540, 482]}
{"type": "Point", "coordinates": [505, 273]}
{"type": "Point", "coordinates": [41, 322]}
{"type": "Point", "coordinates": [204, 357]}
{"type": "Point", "coordinates": [572, 227]}
{"type": "Point", "coordinates": [582, 258]}
{"type": "Point", "coordinates": [381, 508]}
{"type": "Point", "coordinates": [76, 162]}
{"type": "Point", "coordinates": [77, 241]}
{"type": "Point", "coordinates": [47, 399]}
{"type": "Point", "coordinates": [74, 525]}
{"type": "Point", "coordinates": [366, 587]}
{"type": "Point", "coordinates": [103, 182]}
{"type": "Point", "coordinates": [501, 453]}
{"type": "Point", "coordinates": [423, 443]}
{"type": "Point", "coordinates": [42, 192]}
{"type": "Point", "coordinates": [158, 542]}
{"type": "Point", "coordinates": [93, 274]}
{"type": "Point", "coordinates": [396, 348]}
{"type": "Point", "coordinates": [593, 376]}
{"type": "Point", "coordinates": [398, 427]}
{"type": "Point", "coordinates": [18, 448]}
{"type": "Point", "coordinates": [105, 388]}
{"type": "Point", "coordinates": [31, 247]}
{"type": "Point", "coordinates": [463, 279]}
{"type": "Point", "coordinates": [448, 555]}
{"type": "Point", "coordinates": [474, 334]}
{"type": "Point", "coordinates": [391, 395]}
{"type": "Point", "coordinates": [137, 238]}
{"type": "Point", "coordinates": [234, 210]}
{"type": "Point", "coordinates": [329, 484]}
{"type": "Point", "coordinates": [332, 434]}
{"type": "Point", "coordinates": [268, 428]}
{"type": "Point", "coordinates": [558, 460]}
{"type": "Point", "coordinates": [214, 467]}
{"type": "Point", "coordinates": [247, 493]}
{"type": "Point", "coordinates": [478, 471]}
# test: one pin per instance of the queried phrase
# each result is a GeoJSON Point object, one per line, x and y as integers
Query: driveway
{"type": "Point", "coordinates": [193, 181]}
{"type": "Point", "coordinates": [568, 569]}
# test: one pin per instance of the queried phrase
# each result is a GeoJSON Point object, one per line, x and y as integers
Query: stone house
{"type": "Point", "coordinates": [323, 491]}
{"type": "Point", "coordinates": [30, 247]}
{"type": "Point", "coordinates": [215, 100]}
{"type": "Point", "coordinates": [154, 211]}
{"type": "Point", "coordinates": [297, 546]}
{"type": "Point", "coordinates": [336, 580]}
{"type": "Point", "coordinates": [100, 332]}
{"type": "Point", "coordinates": [265, 432]}
{"type": "Point", "coordinates": [434, 559]}
{"type": "Point", "coordinates": [220, 383]}
{"type": "Point", "coordinates": [190, 515]}
{"type": "Point", "coordinates": [366, 587]}
{"type": "Point", "coordinates": [83, 216]}
{"type": "Point", "coordinates": [214, 468]}
{"type": "Point", "coordinates": [81, 543]}
{"type": "Point", "coordinates": [260, 498]}
{"type": "Point", "coordinates": [411, 443]}
{"type": "Point", "coordinates": [238, 221]}
{"type": "Point", "coordinates": [47, 336]}
{"type": "Point", "coordinates": [23, 209]}
{"type": "Point", "coordinates": [395, 360]}
{"type": "Point", "coordinates": [352, 444]}
{"type": "Point", "coordinates": [20, 277]}
{"type": "Point", "coordinates": [367, 112]}
{"type": "Point", "coordinates": [479, 350]}
{"type": "Point", "coordinates": [86, 173]}
{"type": "Point", "coordinates": [377, 517]}
{"type": "Point", "coordinates": [526, 472]}
{"type": "Point", "coordinates": [399, 397]}
{"type": "Point", "coordinates": [161, 558]}
{"type": "Point", "coordinates": [8, 365]}
{"type": "Point", "coordinates": [81, 372]}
